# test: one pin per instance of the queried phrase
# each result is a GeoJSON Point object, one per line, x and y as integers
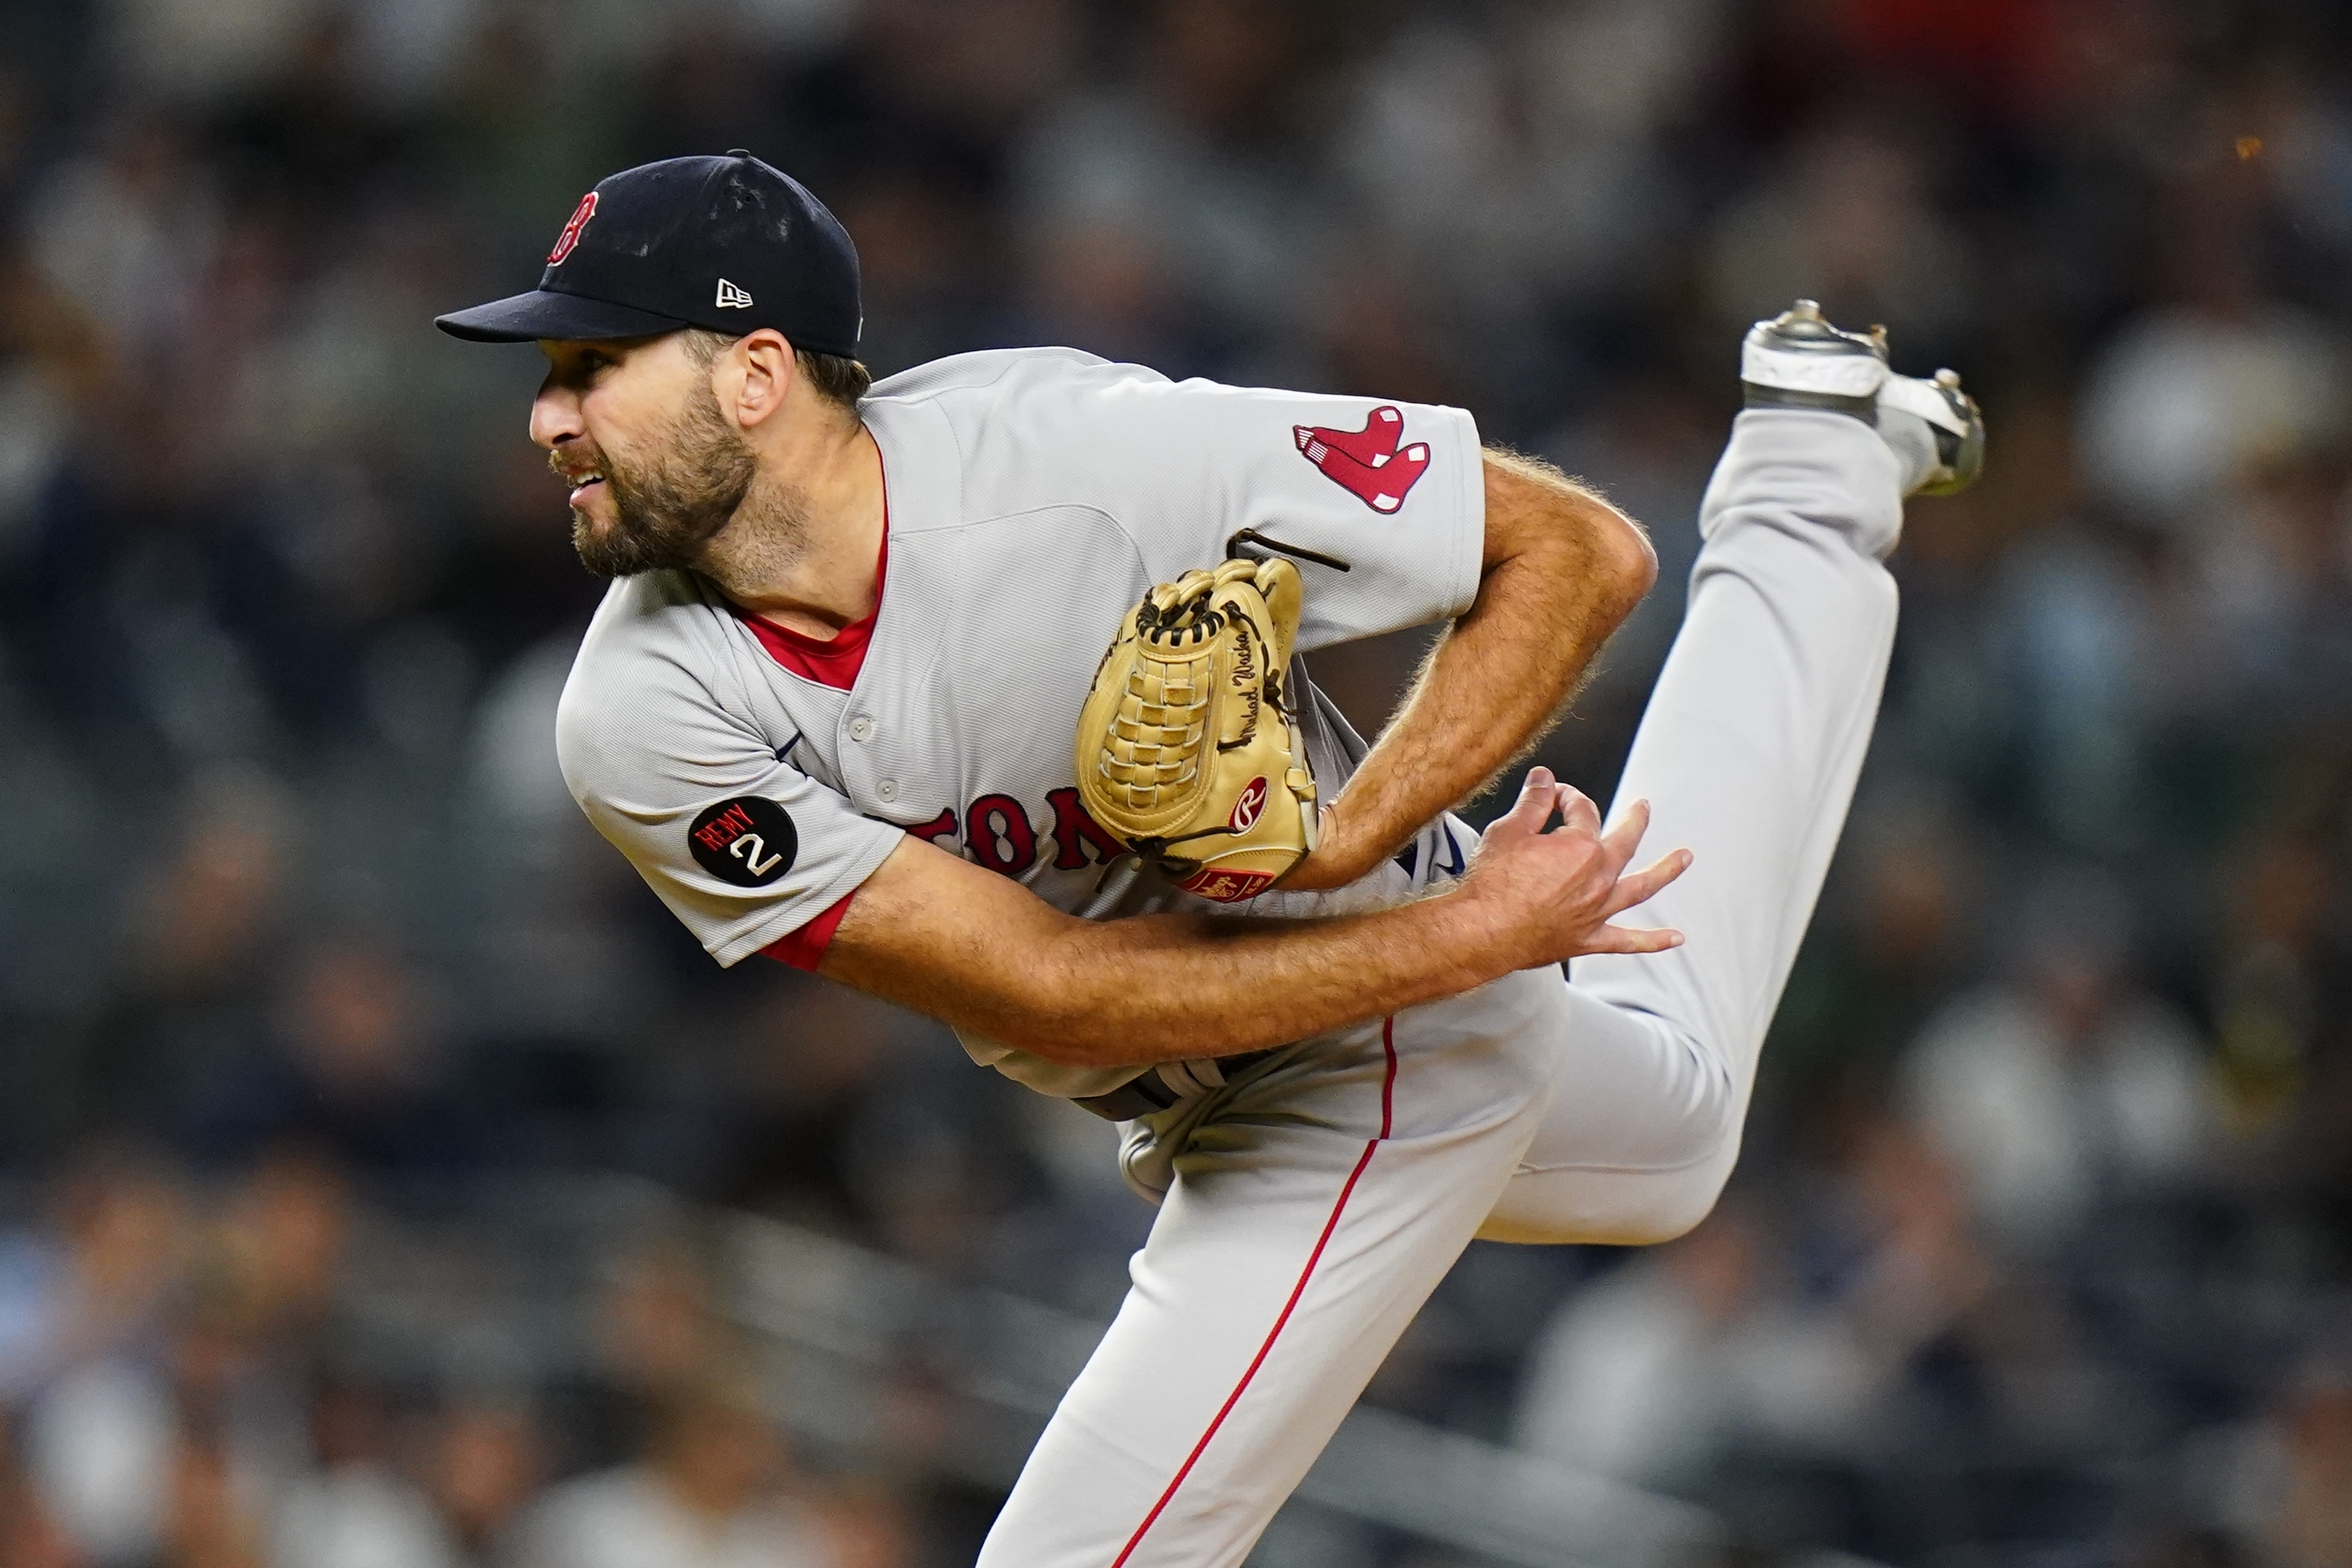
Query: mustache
{"type": "Point", "coordinates": [568, 465]}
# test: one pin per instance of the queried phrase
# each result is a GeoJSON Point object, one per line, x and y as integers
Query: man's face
{"type": "Point", "coordinates": [656, 470]}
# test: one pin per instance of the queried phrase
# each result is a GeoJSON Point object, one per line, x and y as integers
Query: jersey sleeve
{"type": "Point", "coordinates": [743, 847]}
{"type": "Point", "coordinates": [1395, 490]}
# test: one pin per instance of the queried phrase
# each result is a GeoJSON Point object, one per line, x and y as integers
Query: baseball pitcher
{"type": "Point", "coordinates": [985, 690]}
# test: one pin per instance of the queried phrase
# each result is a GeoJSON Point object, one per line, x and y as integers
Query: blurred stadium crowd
{"type": "Point", "coordinates": [325, 1015]}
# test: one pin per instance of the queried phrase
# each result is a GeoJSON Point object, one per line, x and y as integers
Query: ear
{"type": "Point", "coordinates": [752, 378]}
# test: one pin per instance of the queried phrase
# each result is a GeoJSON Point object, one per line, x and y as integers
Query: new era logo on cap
{"type": "Point", "coordinates": [730, 298]}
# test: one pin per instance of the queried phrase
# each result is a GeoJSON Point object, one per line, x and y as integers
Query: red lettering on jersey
{"type": "Point", "coordinates": [571, 235]}
{"type": "Point", "coordinates": [1366, 463]}
{"type": "Point", "coordinates": [1076, 830]}
{"type": "Point", "coordinates": [939, 827]}
{"type": "Point", "coordinates": [997, 832]}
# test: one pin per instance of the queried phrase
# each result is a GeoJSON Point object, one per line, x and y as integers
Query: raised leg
{"type": "Point", "coordinates": [1748, 754]}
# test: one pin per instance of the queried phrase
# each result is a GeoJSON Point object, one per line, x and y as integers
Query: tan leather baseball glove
{"type": "Point", "coordinates": [1188, 750]}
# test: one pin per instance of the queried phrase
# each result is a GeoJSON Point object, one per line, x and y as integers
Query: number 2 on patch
{"type": "Point", "coordinates": [749, 849]}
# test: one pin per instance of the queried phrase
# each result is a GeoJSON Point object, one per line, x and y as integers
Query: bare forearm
{"type": "Point", "coordinates": [1565, 570]}
{"type": "Point", "coordinates": [1167, 987]}
{"type": "Point", "coordinates": [933, 932]}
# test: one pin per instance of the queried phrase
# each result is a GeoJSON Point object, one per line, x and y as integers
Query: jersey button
{"type": "Point", "coordinates": [887, 789]}
{"type": "Point", "coordinates": [861, 729]}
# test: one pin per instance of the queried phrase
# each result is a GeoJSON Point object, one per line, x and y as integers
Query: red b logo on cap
{"type": "Point", "coordinates": [571, 235]}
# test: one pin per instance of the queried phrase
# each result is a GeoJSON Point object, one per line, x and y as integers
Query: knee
{"type": "Point", "coordinates": [1674, 1207]}
{"type": "Point", "coordinates": [1613, 1208]}
{"type": "Point", "coordinates": [1691, 1162]}
{"type": "Point", "coordinates": [1666, 1207]}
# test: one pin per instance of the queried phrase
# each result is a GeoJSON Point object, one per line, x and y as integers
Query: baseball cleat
{"type": "Point", "coordinates": [1955, 418]}
{"type": "Point", "coordinates": [1797, 360]}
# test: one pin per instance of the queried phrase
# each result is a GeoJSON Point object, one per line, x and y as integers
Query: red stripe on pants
{"type": "Point", "coordinates": [1388, 1090]}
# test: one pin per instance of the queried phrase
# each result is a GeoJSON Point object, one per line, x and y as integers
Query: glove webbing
{"type": "Point", "coordinates": [1156, 743]}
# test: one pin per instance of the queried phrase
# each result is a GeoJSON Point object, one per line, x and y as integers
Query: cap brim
{"type": "Point", "coordinates": [542, 313]}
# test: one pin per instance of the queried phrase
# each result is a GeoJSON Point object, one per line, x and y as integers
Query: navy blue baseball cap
{"type": "Point", "coordinates": [728, 243]}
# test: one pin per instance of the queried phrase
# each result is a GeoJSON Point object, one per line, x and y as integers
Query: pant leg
{"type": "Point", "coordinates": [1748, 754]}
{"type": "Point", "coordinates": [1311, 1213]}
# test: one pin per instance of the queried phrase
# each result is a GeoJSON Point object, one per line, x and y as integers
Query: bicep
{"type": "Point", "coordinates": [1533, 512]}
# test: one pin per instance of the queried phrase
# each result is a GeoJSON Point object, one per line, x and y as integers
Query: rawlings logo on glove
{"type": "Point", "coordinates": [1187, 750]}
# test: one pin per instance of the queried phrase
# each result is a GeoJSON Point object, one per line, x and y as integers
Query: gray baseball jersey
{"type": "Point", "coordinates": [1032, 495]}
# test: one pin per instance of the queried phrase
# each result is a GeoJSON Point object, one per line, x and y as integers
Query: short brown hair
{"type": "Point", "coordinates": [839, 381]}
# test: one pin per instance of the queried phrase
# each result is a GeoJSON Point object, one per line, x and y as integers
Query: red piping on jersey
{"type": "Point", "coordinates": [834, 664]}
{"type": "Point", "coordinates": [1388, 1088]}
{"type": "Point", "coordinates": [831, 661]}
{"type": "Point", "coordinates": [804, 948]}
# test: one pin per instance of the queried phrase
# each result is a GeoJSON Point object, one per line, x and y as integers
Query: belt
{"type": "Point", "coordinates": [1171, 1084]}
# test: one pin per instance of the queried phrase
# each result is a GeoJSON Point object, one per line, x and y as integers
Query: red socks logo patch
{"type": "Point", "coordinates": [1366, 462]}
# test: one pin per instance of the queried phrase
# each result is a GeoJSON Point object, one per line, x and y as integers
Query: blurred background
{"type": "Point", "coordinates": [386, 1181]}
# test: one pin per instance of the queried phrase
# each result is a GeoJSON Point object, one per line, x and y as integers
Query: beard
{"type": "Point", "coordinates": [669, 507]}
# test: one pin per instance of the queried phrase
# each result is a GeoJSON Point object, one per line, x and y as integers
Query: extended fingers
{"type": "Point", "coordinates": [1639, 887]}
{"type": "Point", "coordinates": [1627, 939]}
{"type": "Point", "coordinates": [1620, 842]}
